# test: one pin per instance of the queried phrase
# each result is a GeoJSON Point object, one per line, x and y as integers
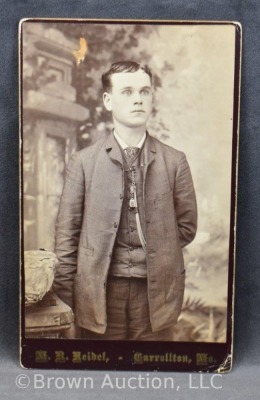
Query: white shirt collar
{"type": "Point", "coordinates": [124, 145]}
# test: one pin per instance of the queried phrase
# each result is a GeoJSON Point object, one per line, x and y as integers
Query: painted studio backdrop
{"type": "Point", "coordinates": [193, 66]}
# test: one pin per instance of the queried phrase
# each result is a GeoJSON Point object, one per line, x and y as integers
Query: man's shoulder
{"type": "Point", "coordinates": [168, 151]}
{"type": "Point", "coordinates": [92, 149]}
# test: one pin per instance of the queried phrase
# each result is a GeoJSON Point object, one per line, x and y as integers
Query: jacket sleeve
{"type": "Point", "coordinates": [185, 203]}
{"type": "Point", "coordinates": [68, 227]}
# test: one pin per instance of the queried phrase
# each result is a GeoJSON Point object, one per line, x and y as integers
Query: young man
{"type": "Point", "coordinates": [127, 209]}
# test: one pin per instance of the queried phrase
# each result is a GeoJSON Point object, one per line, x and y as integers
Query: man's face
{"type": "Point", "coordinates": [130, 99]}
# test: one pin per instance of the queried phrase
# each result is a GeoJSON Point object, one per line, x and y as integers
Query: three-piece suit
{"type": "Point", "coordinates": [88, 227]}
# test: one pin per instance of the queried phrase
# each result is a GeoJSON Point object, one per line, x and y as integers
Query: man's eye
{"type": "Point", "coordinates": [145, 92]}
{"type": "Point", "coordinates": [127, 92]}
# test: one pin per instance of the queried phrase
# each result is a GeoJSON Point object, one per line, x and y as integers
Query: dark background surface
{"type": "Point", "coordinates": [242, 380]}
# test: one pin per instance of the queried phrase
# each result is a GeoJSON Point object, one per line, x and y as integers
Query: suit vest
{"type": "Point", "coordinates": [129, 258]}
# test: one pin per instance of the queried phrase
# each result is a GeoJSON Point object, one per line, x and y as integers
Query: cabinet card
{"type": "Point", "coordinates": [129, 145]}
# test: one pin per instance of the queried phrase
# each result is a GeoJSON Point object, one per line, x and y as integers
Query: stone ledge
{"type": "Point", "coordinates": [54, 107]}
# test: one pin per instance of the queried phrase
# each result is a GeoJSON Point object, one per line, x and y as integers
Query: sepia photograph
{"type": "Point", "coordinates": [129, 134]}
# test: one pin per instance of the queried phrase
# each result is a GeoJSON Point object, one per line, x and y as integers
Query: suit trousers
{"type": "Point", "coordinates": [128, 313]}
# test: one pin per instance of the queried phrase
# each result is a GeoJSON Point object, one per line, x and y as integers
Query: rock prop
{"type": "Point", "coordinates": [39, 266]}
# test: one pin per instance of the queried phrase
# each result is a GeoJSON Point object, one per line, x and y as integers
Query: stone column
{"type": "Point", "coordinates": [50, 119]}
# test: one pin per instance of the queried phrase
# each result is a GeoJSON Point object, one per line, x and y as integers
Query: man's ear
{"type": "Point", "coordinates": [107, 101]}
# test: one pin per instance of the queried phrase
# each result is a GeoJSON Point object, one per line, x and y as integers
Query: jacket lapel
{"type": "Point", "coordinates": [149, 154]}
{"type": "Point", "coordinates": [113, 149]}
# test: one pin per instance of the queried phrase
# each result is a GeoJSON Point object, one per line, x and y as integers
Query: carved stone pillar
{"type": "Point", "coordinates": [50, 121]}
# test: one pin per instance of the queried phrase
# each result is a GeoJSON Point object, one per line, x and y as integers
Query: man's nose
{"type": "Point", "coordinates": [137, 98]}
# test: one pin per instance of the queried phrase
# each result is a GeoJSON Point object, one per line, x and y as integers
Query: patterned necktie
{"type": "Point", "coordinates": [131, 152]}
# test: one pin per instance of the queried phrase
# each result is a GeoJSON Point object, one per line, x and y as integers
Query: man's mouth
{"type": "Point", "coordinates": [137, 111]}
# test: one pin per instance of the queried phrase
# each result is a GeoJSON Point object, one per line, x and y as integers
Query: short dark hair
{"type": "Point", "coordinates": [122, 66]}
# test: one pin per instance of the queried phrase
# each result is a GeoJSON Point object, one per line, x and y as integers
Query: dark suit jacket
{"type": "Point", "coordinates": [88, 220]}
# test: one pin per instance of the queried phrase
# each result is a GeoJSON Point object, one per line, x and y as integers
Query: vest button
{"type": "Point", "coordinates": [130, 265]}
{"type": "Point", "coordinates": [115, 225]}
{"type": "Point", "coordinates": [131, 248]}
{"type": "Point", "coordinates": [121, 196]}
